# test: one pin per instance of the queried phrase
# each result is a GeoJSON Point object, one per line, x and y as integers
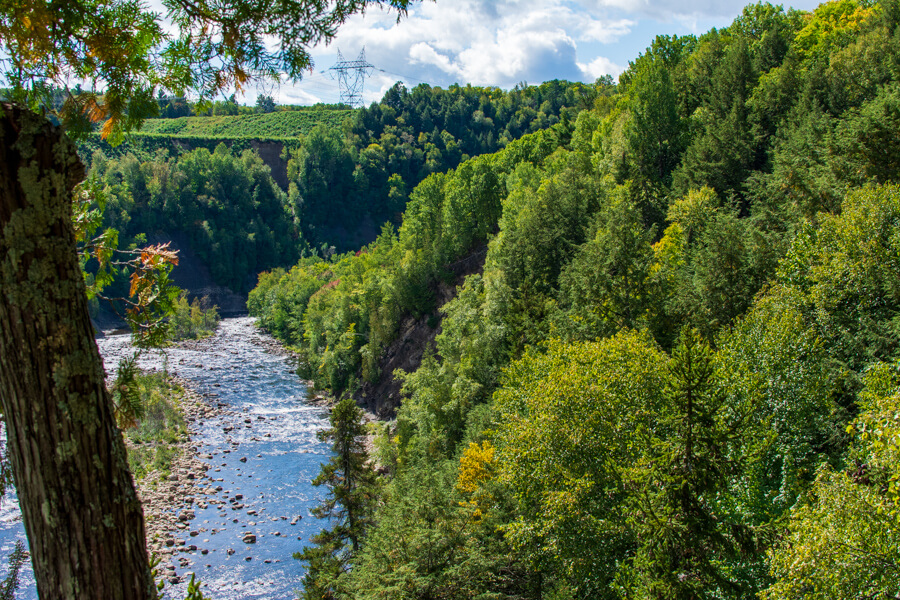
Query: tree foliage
{"type": "Point", "coordinates": [348, 505]}
{"type": "Point", "coordinates": [670, 371]}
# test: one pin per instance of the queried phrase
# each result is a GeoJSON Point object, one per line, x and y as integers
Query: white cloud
{"type": "Point", "coordinates": [606, 32]}
{"type": "Point", "coordinates": [670, 9]}
{"type": "Point", "coordinates": [598, 67]}
{"type": "Point", "coordinates": [483, 42]}
{"type": "Point", "coordinates": [421, 52]}
{"type": "Point", "coordinates": [516, 55]}
{"type": "Point", "coordinates": [296, 95]}
{"type": "Point", "coordinates": [503, 42]}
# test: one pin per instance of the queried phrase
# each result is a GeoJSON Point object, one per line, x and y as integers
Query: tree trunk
{"type": "Point", "coordinates": [82, 515]}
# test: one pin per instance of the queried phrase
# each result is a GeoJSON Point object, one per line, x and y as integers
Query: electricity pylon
{"type": "Point", "coordinates": [351, 75]}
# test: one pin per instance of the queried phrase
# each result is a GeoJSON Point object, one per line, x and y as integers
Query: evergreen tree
{"type": "Point", "coordinates": [349, 503]}
{"type": "Point", "coordinates": [687, 539]}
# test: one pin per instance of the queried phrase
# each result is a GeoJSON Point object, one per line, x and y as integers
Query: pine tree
{"type": "Point", "coordinates": [349, 503]}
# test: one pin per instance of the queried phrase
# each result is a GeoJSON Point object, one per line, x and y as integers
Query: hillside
{"type": "Point", "coordinates": [250, 204]}
{"type": "Point", "coordinates": [263, 126]}
{"type": "Point", "coordinates": [674, 375]}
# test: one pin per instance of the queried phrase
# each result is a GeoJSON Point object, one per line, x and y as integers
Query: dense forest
{"type": "Point", "coordinates": [347, 173]}
{"type": "Point", "coordinates": [674, 374]}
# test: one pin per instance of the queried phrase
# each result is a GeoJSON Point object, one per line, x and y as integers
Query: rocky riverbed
{"type": "Point", "coordinates": [235, 504]}
{"type": "Point", "coordinates": [168, 497]}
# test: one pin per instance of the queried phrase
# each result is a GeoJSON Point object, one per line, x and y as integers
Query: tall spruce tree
{"type": "Point", "coordinates": [680, 512]}
{"type": "Point", "coordinates": [349, 504]}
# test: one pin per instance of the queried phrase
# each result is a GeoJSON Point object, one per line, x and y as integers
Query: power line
{"type": "Point", "coordinates": [351, 75]}
{"type": "Point", "coordinates": [408, 77]}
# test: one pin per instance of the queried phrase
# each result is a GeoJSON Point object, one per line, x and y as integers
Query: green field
{"type": "Point", "coordinates": [280, 124]}
{"type": "Point", "coordinates": [174, 136]}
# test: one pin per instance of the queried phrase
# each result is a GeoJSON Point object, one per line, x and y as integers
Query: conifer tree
{"type": "Point", "coordinates": [351, 485]}
{"type": "Point", "coordinates": [680, 515]}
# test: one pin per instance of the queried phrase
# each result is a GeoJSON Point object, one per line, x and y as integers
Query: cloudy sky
{"type": "Point", "coordinates": [504, 42]}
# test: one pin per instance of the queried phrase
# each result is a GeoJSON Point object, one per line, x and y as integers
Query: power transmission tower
{"type": "Point", "coordinates": [351, 75]}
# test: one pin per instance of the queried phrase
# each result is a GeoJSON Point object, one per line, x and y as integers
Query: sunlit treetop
{"type": "Point", "coordinates": [125, 51]}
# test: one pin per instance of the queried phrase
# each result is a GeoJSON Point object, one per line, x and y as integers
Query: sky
{"type": "Point", "coordinates": [502, 42]}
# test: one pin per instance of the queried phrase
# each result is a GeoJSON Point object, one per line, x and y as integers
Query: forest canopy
{"type": "Point", "coordinates": [672, 372]}
{"type": "Point", "coordinates": [345, 173]}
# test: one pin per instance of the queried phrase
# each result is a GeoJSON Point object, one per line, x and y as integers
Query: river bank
{"type": "Point", "coordinates": [241, 481]}
{"type": "Point", "coordinates": [183, 484]}
{"type": "Point", "coordinates": [234, 504]}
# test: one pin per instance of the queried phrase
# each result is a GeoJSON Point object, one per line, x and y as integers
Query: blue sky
{"type": "Point", "coordinates": [503, 42]}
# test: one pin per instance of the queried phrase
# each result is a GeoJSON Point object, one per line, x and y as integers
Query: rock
{"type": "Point", "coordinates": [204, 552]}
{"type": "Point", "coordinates": [230, 551]}
{"type": "Point", "coordinates": [249, 558]}
{"type": "Point", "coordinates": [243, 459]}
{"type": "Point", "coordinates": [195, 533]}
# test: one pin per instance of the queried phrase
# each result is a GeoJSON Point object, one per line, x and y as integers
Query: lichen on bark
{"type": "Point", "coordinates": [67, 454]}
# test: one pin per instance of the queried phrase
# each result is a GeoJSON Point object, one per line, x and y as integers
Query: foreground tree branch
{"type": "Point", "coordinates": [82, 515]}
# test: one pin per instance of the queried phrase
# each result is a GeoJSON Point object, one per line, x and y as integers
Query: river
{"type": "Point", "coordinates": [268, 463]}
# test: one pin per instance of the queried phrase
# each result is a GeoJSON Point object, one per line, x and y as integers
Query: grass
{"type": "Point", "coordinates": [280, 124]}
{"type": "Point", "coordinates": [151, 443]}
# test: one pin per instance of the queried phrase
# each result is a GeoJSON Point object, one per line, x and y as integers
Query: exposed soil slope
{"type": "Point", "coordinates": [414, 338]}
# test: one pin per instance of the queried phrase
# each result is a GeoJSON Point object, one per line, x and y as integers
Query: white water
{"type": "Point", "coordinates": [282, 457]}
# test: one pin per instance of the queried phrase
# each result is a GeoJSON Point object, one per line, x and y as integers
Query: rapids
{"type": "Point", "coordinates": [269, 462]}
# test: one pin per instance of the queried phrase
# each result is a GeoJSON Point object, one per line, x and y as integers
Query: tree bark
{"type": "Point", "coordinates": [83, 519]}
